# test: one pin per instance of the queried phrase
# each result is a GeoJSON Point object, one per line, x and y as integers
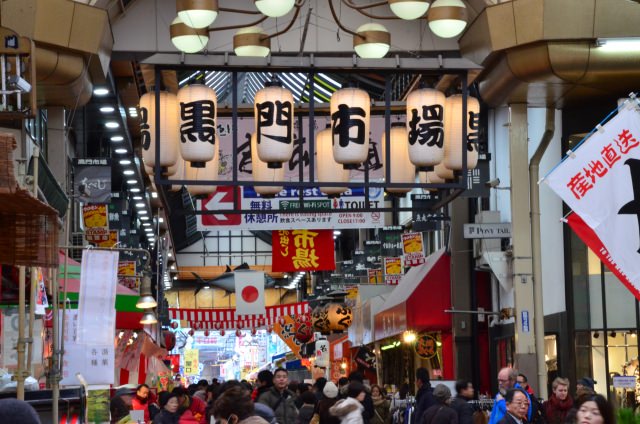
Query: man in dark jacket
{"type": "Point", "coordinates": [368, 411]}
{"type": "Point", "coordinates": [281, 399]}
{"type": "Point", "coordinates": [464, 393]}
{"type": "Point", "coordinates": [424, 396]}
{"type": "Point", "coordinates": [265, 382]}
{"type": "Point", "coordinates": [440, 412]}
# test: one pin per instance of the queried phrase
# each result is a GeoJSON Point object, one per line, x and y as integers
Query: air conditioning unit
{"type": "Point", "coordinates": [77, 240]}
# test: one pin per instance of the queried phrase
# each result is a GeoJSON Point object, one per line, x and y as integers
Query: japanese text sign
{"type": "Point", "coordinates": [392, 270]}
{"type": "Point", "coordinates": [285, 328]}
{"type": "Point", "coordinates": [302, 250]}
{"type": "Point", "coordinates": [412, 248]}
{"type": "Point", "coordinates": [600, 181]}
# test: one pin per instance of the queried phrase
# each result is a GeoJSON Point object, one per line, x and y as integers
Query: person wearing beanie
{"type": "Point", "coordinates": [441, 412]}
{"type": "Point", "coordinates": [17, 411]}
{"type": "Point", "coordinates": [330, 397]}
{"type": "Point", "coordinates": [350, 410]}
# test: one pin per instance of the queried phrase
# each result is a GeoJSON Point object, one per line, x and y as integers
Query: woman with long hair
{"type": "Point", "coordinates": [595, 410]}
{"type": "Point", "coordinates": [234, 406]}
{"type": "Point", "coordinates": [381, 413]}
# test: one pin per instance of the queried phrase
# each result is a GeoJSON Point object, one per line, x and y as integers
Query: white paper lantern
{"type": "Point", "coordinates": [261, 172]}
{"type": "Point", "coordinates": [327, 168]}
{"type": "Point", "coordinates": [179, 173]}
{"type": "Point", "coordinates": [198, 110]}
{"type": "Point", "coordinates": [429, 178]}
{"type": "Point", "coordinates": [168, 128]}
{"type": "Point", "coordinates": [322, 353]}
{"type": "Point", "coordinates": [444, 172]}
{"type": "Point", "coordinates": [208, 173]}
{"type": "Point", "coordinates": [273, 115]}
{"type": "Point", "coordinates": [402, 171]}
{"type": "Point", "coordinates": [453, 144]}
{"type": "Point", "coordinates": [425, 127]}
{"type": "Point", "coordinates": [350, 114]}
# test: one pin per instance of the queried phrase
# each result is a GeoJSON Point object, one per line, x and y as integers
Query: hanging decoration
{"type": "Point", "coordinates": [340, 317]}
{"type": "Point", "coordinates": [327, 168]}
{"type": "Point", "coordinates": [261, 172]}
{"type": "Point", "coordinates": [426, 346]}
{"type": "Point", "coordinates": [425, 127]}
{"type": "Point", "coordinates": [273, 117]}
{"type": "Point", "coordinates": [303, 328]}
{"type": "Point", "coordinates": [454, 121]}
{"type": "Point", "coordinates": [208, 173]}
{"type": "Point", "coordinates": [322, 353]}
{"type": "Point", "coordinates": [198, 106]}
{"type": "Point", "coordinates": [174, 325]}
{"type": "Point", "coordinates": [320, 319]}
{"type": "Point", "coordinates": [168, 128]}
{"type": "Point", "coordinates": [206, 333]}
{"type": "Point", "coordinates": [350, 114]}
{"type": "Point", "coordinates": [443, 172]}
{"type": "Point", "coordinates": [401, 169]}
{"type": "Point", "coordinates": [222, 332]}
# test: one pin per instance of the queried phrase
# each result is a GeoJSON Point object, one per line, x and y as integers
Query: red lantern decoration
{"type": "Point", "coordinates": [269, 329]}
{"type": "Point", "coordinates": [191, 332]}
{"type": "Point", "coordinates": [239, 333]}
{"type": "Point", "coordinates": [304, 333]}
{"type": "Point", "coordinates": [282, 321]}
{"type": "Point", "coordinates": [174, 324]}
{"type": "Point", "coordinates": [206, 333]}
{"type": "Point", "coordinates": [195, 325]}
{"type": "Point", "coordinates": [169, 339]}
{"type": "Point", "coordinates": [222, 333]}
{"type": "Point", "coordinates": [254, 331]}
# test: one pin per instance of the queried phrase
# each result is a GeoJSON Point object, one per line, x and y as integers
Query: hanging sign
{"type": "Point", "coordinates": [413, 249]}
{"type": "Point", "coordinates": [392, 270]}
{"type": "Point", "coordinates": [600, 181]}
{"type": "Point", "coordinates": [92, 180]}
{"type": "Point", "coordinates": [265, 217]}
{"type": "Point", "coordinates": [375, 276]}
{"type": "Point", "coordinates": [372, 253]}
{"type": "Point", "coordinates": [426, 346]}
{"type": "Point", "coordinates": [191, 365]}
{"type": "Point", "coordinates": [391, 241]}
{"type": "Point", "coordinates": [127, 274]}
{"type": "Point", "coordinates": [302, 250]}
{"type": "Point", "coordinates": [286, 330]}
{"type": "Point", "coordinates": [112, 241]}
{"type": "Point", "coordinates": [96, 224]}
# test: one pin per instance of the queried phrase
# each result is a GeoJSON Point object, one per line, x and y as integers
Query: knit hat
{"type": "Point", "coordinates": [330, 390]}
{"type": "Point", "coordinates": [587, 382]}
{"type": "Point", "coordinates": [164, 398]}
{"type": "Point", "coordinates": [17, 411]}
{"type": "Point", "coordinates": [441, 393]}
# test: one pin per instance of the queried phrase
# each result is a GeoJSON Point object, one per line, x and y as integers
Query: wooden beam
{"type": "Point", "coordinates": [209, 272]}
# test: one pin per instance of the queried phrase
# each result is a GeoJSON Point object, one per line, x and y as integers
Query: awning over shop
{"type": "Point", "coordinates": [419, 300]}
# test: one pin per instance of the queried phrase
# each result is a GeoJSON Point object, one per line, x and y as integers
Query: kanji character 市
{"type": "Point", "coordinates": [626, 141]}
{"type": "Point", "coordinates": [610, 155]}
{"type": "Point", "coordinates": [579, 185]}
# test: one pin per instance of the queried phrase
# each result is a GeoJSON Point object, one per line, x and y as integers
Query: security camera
{"type": "Point", "coordinates": [492, 183]}
{"type": "Point", "coordinates": [18, 83]}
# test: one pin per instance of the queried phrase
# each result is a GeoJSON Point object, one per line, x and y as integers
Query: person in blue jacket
{"type": "Point", "coordinates": [507, 379]}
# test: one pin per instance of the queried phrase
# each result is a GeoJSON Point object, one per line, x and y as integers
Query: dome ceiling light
{"type": "Point", "coordinates": [197, 13]}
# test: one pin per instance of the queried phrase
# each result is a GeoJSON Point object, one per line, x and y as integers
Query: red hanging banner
{"type": "Point", "coordinates": [302, 250]}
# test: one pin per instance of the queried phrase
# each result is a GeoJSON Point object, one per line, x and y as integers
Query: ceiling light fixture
{"type": "Point", "coordinates": [134, 190]}
{"type": "Point", "coordinates": [626, 44]}
{"type": "Point", "coordinates": [187, 39]}
{"type": "Point", "coordinates": [142, 212]}
{"type": "Point", "coordinates": [132, 182]}
{"type": "Point", "coordinates": [125, 162]}
{"type": "Point", "coordinates": [137, 197]}
{"type": "Point", "coordinates": [112, 124]}
{"type": "Point", "coordinates": [148, 318]}
{"type": "Point", "coordinates": [146, 300]}
{"type": "Point", "coordinates": [117, 138]}
{"type": "Point", "coordinates": [408, 9]}
{"type": "Point", "coordinates": [146, 224]}
{"type": "Point", "coordinates": [128, 172]}
{"type": "Point", "coordinates": [144, 218]}
{"type": "Point", "coordinates": [251, 42]}
{"type": "Point", "coordinates": [107, 109]}
{"type": "Point", "coordinates": [197, 13]}
{"type": "Point", "coordinates": [120, 151]}
{"type": "Point", "coordinates": [274, 8]}
{"type": "Point", "coordinates": [154, 194]}
{"type": "Point", "coordinates": [140, 205]}
{"type": "Point", "coordinates": [100, 91]}
{"type": "Point", "coordinates": [370, 41]}
{"type": "Point", "coordinates": [447, 18]}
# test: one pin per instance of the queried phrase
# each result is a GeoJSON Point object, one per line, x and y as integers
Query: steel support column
{"type": "Point", "coordinates": [525, 358]}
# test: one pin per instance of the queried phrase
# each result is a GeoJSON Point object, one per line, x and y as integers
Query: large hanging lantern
{"type": "Point", "coordinates": [327, 168]}
{"type": "Point", "coordinates": [425, 127]}
{"type": "Point", "coordinates": [168, 128]}
{"type": "Point", "coordinates": [198, 110]}
{"type": "Point", "coordinates": [304, 333]}
{"type": "Point", "coordinates": [447, 18]}
{"type": "Point", "coordinates": [340, 317]}
{"type": "Point", "coordinates": [261, 172]}
{"type": "Point", "coordinates": [401, 169]}
{"type": "Point", "coordinates": [179, 173]}
{"type": "Point", "coordinates": [350, 115]}
{"type": "Point", "coordinates": [273, 116]}
{"type": "Point", "coordinates": [454, 122]}
{"type": "Point", "coordinates": [322, 353]}
{"type": "Point", "coordinates": [320, 319]}
{"type": "Point", "coordinates": [208, 173]}
{"type": "Point", "coordinates": [168, 340]}
{"type": "Point", "coordinates": [443, 172]}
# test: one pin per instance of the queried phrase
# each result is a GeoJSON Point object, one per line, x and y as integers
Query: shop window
{"type": "Point", "coordinates": [551, 357]}
{"type": "Point", "coordinates": [623, 360]}
{"type": "Point", "coordinates": [583, 352]}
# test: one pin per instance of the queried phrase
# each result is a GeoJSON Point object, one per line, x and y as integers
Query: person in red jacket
{"type": "Point", "coordinates": [196, 406]}
{"type": "Point", "coordinates": [140, 402]}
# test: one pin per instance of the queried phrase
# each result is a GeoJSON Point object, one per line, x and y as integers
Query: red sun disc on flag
{"type": "Point", "coordinates": [250, 294]}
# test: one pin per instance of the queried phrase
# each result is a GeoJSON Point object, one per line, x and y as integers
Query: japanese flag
{"type": "Point", "coordinates": [600, 181]}
{"type": "Point", "coordinates": [249, 293]}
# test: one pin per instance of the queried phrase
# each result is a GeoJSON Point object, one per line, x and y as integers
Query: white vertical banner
{"type": "Point", "coordinates": [600, 181]}
{"type": "Point", "coordinates": [96, 309]}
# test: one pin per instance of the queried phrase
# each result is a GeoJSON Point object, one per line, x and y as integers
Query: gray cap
{"type": "Point", "coordinates": [441, 393]}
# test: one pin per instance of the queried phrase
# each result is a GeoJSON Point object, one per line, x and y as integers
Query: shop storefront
{"type": "Point", "coordinates": [411, 327]}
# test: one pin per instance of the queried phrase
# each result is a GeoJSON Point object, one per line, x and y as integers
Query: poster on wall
{"type": "Point", "coordinates": [392, 270]}
{"type": "Point", "coordinates": [96, 224]}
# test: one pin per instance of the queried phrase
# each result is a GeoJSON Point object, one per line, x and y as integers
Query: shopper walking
{"type": "Point", "coordinates": [595, 410]}
{"type": "Point", "coordinates": [280, 399]}
{"type": "Point", "coordinates": [440, 412]}
{"type": "Point", "coordinates": [424, 396]}
{"type": "Point", "coordinates": [330, 397]}
{"type": "Point", "coordinates": [235, 406]}
{"type": "Point", "coordinates": [560, 402]}
{"type": "Point", "coordinates": [460, 403]}
{"type": "Point", "coordinates": [350, 410]}
{"type": "Point", "coordinates": [381, 412]}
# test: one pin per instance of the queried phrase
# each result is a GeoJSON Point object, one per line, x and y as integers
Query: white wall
{"type": "Point", "coordinates": [550, 204]}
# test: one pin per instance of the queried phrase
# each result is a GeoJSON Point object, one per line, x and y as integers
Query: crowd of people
{"type": "Point", "coordinates": [276, 400]}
